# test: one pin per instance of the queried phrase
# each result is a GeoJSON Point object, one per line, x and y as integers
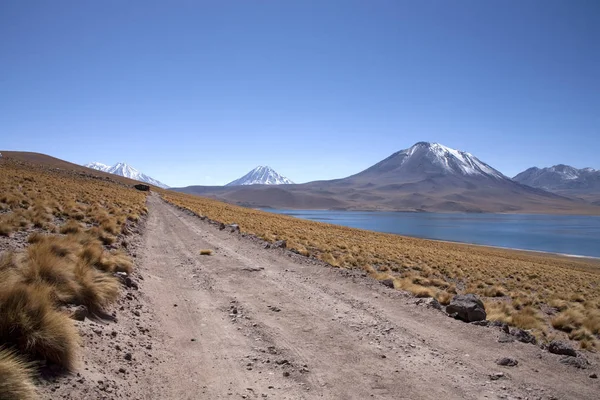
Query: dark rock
{"type": "Point", "coordinates": [577, 362]}
{"type": "Point", "coordinates": [562, 348]}
{"type": "Point", "coordinates": [387, 282]}
{"type": "Point", "coordinates": [505, 339]}
{"type": "Point", "coordinates": [234, 228]}
{"type": "Point", "coordinates": [280, 244]}
{"type": "Point", "coordinates": [507, 362]}
{"type": "Point", "coordinates": [523, 336]}
{"type": "Point", "coordinates": [130, 283]}
{"type": "Point", "coordinates": [79, 313]}
{"type": "Point", "coordinates": [467, 307]}
{"type": "Point", "coordinates": [481, 323]}
{"type": "Point", "coordinates": [594, 376]}
{"type": "Point", "coordinates": [128, 357]}
{"type": "Point", "coordinates": [221, 226]}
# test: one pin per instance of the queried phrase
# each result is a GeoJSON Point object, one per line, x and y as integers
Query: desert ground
{"type": "Point", "coordinates": [249, 322]}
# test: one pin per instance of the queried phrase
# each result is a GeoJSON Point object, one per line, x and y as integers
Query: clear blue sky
{"type": "Point", "coordinates": [200, 92]}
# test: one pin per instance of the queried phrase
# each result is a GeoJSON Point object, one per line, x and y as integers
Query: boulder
{"type": "Point", "coordinates": [467, 307]}
{"type": "Point", "coordinates": [562, 348]}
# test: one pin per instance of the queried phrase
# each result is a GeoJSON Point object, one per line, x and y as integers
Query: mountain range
{"type": "Point", "coordinates": [425, 177]}
{"type": "Point", "coordinates": [261, 175]}
{"type": "Point", "coordinates": [565, 180]}
{"type": "Point", "coordinates": [127, 171]}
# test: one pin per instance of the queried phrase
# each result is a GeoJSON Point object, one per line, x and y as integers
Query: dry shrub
{"type": "Point", "coordinates": [499, 311]}
{"type": "Point", "coordinates": [16, 374]}
{"type": "Point", "coordinates": [527, 318]}
{"type": "Point", "coordinates": [444, 298]}
{"type": "Point", "coordinates": [32, 324]}
{"type": "Point", "coordinates": [568, 320]}
{"type": "Point", "coordinates": [5, 228]}
{"type": "Point", "coordinates": [50, 264]}
{"type": "Point", "coordinates": [494, 291]}
{"type": "Point", "coordinates": [206, 252]}
{"type": "Point", "coordinates": [116, 261]}
{"type": "Point", "coordinates": [70, 227]}
{"type": "Point", "coordinates": [97, 289]}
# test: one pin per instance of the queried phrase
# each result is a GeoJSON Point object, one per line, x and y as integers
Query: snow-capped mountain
{"type": "Point", "coordinates": [561, 177]}
{"type": "Point", "coordinates": [427, 160]}
{"type": "Point", "coordinates": [127, 171]}
{"type": "Point", "coordinates": [261, 175]}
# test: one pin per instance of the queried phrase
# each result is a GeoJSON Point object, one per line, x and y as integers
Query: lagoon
{"type": "Point", "coordinates": [564, 234]}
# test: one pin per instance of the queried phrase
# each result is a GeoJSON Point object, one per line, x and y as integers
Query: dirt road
{"type": "Point", "coordinates": [248, 322]}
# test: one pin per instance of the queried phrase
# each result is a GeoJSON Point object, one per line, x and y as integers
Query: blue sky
{"type": "Point", "coordinates": [200, 92]}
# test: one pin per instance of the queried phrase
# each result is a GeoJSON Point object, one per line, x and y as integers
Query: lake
{"type": "Point", "coordinates": [573, 235]}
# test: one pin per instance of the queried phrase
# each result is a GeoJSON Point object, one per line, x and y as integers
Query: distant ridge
{"type": "Point", "coordinates": [425, 177]}
{"type": "Point", "coordinates": [261, 175]}
{"type": "Point", "coordinates": [122, 169]}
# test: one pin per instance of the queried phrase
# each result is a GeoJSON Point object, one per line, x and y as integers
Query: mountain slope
{"type": "Point", "coordinates": [424, 177]}
{"type": "Point", "coordinates": [127, 171]}
{"type": "Point", "coordinates": [425, 160]}
{"type": "Point", "coordinates": [261, 175]}
{"type": "Point", "coordinates": [561, 177]}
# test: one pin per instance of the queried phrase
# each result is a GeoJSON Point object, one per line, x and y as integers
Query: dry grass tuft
{"type": "Point", "coordinates": [32, 324]}
{"type": "Point", "coordinates": [16, 374]}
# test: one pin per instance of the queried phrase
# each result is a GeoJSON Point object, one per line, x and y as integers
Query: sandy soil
{"type": "Point", "coordinates": [253, 323]}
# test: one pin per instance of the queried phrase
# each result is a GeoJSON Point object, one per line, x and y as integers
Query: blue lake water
{"type": "Point", "coordinates": [574, 235]}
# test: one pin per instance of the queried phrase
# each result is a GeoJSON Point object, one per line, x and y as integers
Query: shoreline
{"type": "Point", "coordinates": [581, 256]}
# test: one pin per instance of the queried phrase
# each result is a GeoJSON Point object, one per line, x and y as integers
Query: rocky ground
{"type": "Point", "coordinates": [253, 323]}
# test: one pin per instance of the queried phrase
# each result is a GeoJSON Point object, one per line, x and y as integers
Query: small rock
{"type": "Point", "coordinates": [221, 226]}
{"type": "Point", "coordinates": [497, 375]}
{"type": "Point", "coordinates": [122, 370]}
{"type": "Point", "coordinates": [430, 302]}
{"type": "Point", "coordinates": [130, 283]}
{"type": "Point", "coordinates": [280, 244]}
{"type": "Point", "coordinates": [79, 313]}
{"type": "Point", "coordinates": [562, 348]}
{"type": "Point", "coordinates": [507, 362]}
{"type": "Point", "coordinates": [577, 362]}
{"type": "Point", "coordinates": [234, 228]}
{"type": "Point", "coordinates": [286, 374]}
{"type": "Point", "coordinates": [594, 376]}
{"type": "Point", "coordinates": [387, 282]}
{"type": "Point", "coordinates": [523, 336]}
{"type": "Point", "coordinates": [128, 357]}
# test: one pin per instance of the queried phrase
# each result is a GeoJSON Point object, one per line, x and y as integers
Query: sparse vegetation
{"type": "Point", "coordinates": [69, 220]}
{"type": "Point", "coordinates": [551, 295]}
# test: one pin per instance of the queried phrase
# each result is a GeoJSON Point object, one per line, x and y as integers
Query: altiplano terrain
{"type": "Point", "coordinates": [249, 322]}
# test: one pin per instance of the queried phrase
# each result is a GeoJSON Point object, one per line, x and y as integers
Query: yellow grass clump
{"type": "Point", "coordinates": [16, 374]}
